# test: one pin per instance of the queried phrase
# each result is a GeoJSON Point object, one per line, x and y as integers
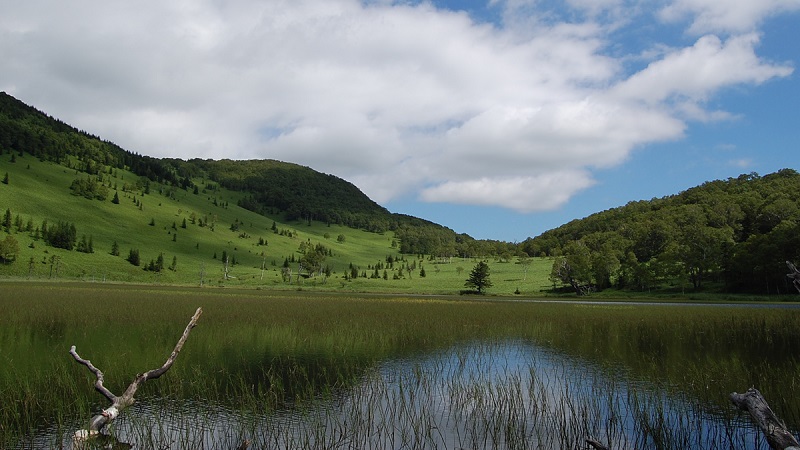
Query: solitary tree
{"type": "Point", "coordinates": [5, 178]}
{"type": "Point", "coordinates": [479, 277]}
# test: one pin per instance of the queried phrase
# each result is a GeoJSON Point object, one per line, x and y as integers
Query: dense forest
{"type": "Point", "coordinates": [730, 235]}
{"type": "Point", "coordinates": [733, 235]}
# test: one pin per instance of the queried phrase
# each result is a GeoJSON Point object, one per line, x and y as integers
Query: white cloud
{"type": "Point", "coordinates": [524, 193]}
{"type": "Point", "coordinates": [734, 16]}
{"type": "Point", "coordinates": [694, 73]}
{"type": "Point", "coordinates": [399, 98]}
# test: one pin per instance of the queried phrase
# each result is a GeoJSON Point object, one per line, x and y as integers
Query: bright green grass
{"type": "Point", "coordinates": [40, 190]}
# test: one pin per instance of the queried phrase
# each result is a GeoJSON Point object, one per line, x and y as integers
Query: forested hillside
{"type": "Point", "coordinates": [275, 187]}
{"type": "Point", "coordinates": [735, 235]}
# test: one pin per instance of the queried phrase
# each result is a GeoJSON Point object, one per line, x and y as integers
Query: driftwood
{"type": "Point", "coordinates": [118, 403]}
{"type": "Point", "coordinates": [794, 276]}
{"type": "Point", "coordinates": [778, 437]}
{"type": "Point", "coordinates": [597, 445]}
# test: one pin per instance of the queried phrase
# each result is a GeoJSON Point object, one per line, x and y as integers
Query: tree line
{"type": "Point", "coordinates": [734, 235]}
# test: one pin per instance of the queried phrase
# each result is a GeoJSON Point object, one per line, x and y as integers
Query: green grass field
{"type": "Point", "coordinates": [39, 191]}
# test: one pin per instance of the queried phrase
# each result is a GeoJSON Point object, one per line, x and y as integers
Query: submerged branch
{"type": "Point", "coordinates": [118, 403]}
{"type": "Point", "coordinates": [597, 445]}
{"type": "Point", "coordinates": [778, 437]}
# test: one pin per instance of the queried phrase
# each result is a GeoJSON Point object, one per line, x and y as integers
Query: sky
{"type": "Point", "coordinates": [496, 118]}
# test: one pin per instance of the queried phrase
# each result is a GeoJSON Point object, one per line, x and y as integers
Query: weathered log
{"type": "Point", "coordinates": [778, 437]}
{"type": "Point", "coordinates": [597, 445]}
{"type": "Point", "coordinates": [118, 403]}
{"type": "Point", "coordinates": [794, 275]}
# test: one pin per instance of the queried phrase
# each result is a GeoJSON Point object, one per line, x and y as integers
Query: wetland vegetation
{"type": "Point", "coordinates": [306, 370]}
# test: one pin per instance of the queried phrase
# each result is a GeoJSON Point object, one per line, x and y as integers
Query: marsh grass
{"type": "Point", "coordinates": [302, 369]}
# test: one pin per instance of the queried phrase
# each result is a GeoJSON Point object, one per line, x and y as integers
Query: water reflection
{"type": "Point", "coordinates": [510, 394]}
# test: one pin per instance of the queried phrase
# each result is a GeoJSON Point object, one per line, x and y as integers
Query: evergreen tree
{"type": "Point", "coordinates": [479, 277]}
{"type": "Point", "coordinates": [115, 200]}
{"type": "Point", "coordinates": [7, 221]}
{"type": "Point", "coordinates": [115, 249]}
{"type": "Point", "coordinates": [133, 257]}
{"type": "Point", "coordinates": [83, 245]}
{"type": "Point", "coordinates": [61, 235]}
{"type": "Point", "coordinates": [5, 178]}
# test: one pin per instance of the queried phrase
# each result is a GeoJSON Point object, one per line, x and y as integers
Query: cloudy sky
{"type": "Point", "coordinates": [496, 118]}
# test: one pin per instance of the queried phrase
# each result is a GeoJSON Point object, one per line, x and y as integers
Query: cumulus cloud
{"type": "Point", "coordinates": [688, 76]}
{"type": "Point", "coordinates": [733, 16]}
{"type": "Point", "coordinates": [522, 193]}
{"type": "Point", "coordinates": [402, 98]}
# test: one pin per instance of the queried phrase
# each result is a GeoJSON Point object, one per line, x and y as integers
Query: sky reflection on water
{"type": "Point", "coordinates": [510, 394]}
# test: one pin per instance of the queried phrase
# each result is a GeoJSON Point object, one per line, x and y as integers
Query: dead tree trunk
{"type": "Point", "coordinates": [118, 403]}
{"type": "Point", "coordinates": [597, 445]}
{"type": "Point", "coordinates": [778, 437]}
{"type": "Point", "coordinates": [794, 275]}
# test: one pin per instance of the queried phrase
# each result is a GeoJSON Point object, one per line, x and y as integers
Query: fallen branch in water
{"type": "Point", "coordinates": [596, 444]}
{"type": "Point", "coordinates": [118, 403]}
{"type": "Point", "coordinates": [778, 437]}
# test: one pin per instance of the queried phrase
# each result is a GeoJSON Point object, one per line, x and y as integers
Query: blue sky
{"type": "Point", "coordinates": [496, 118]}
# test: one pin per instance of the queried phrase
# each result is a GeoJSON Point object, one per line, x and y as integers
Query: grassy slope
{"type": "Point", "coordinates": [40, 190]}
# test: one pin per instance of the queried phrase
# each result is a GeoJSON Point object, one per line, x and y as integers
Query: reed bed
{"type": "Point", "coordinates": [302, 370]}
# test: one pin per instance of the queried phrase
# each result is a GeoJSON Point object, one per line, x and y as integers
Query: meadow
{"type": "Point", "coordinates": [307, 369]}
{"type": "Point", "coordinates": [257, 245]}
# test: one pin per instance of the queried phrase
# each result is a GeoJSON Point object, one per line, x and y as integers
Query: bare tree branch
{"type": "Point", "coordinates": [126, 399]}
{"type": "Point", "coordinates": [98, 384]}
{"type": "Point", "coordinates": [597, 445]}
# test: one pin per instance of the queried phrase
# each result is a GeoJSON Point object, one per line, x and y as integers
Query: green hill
{"type": "Point", "coordinates": [77, 207]}
{"type": "Point", "coordinates": [731, 235]}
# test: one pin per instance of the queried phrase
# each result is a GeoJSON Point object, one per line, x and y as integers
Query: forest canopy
{"type": "Point", "coordinates": [735, 234]}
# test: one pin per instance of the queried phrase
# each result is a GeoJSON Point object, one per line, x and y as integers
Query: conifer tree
{"type": "Point", "coordinates": [7, 221]}
{"type": "Point", "coordinates": [479, 277]}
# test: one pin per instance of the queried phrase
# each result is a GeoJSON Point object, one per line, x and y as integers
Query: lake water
{"type": "Point", "coordinates": [504, 395]}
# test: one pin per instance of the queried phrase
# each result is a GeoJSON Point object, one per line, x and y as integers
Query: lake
{"type": "Point", "coordinates": [294, 370]}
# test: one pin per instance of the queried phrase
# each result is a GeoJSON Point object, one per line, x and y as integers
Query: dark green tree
{"type": "Point", "coordinates": [115, 249]}
{"type": "Point", "coordinates": [479, 278]}
{"type": "Point", "coordinates": [115, 200]}
{"type": "Point", "coordinates": [7, 221]}
{"type": "Point", "coordinates": [133, 257]}
{"type": "Point", "coordinates": [62, 235]}
{"type": "Point", "coordinates": [5, 178]}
